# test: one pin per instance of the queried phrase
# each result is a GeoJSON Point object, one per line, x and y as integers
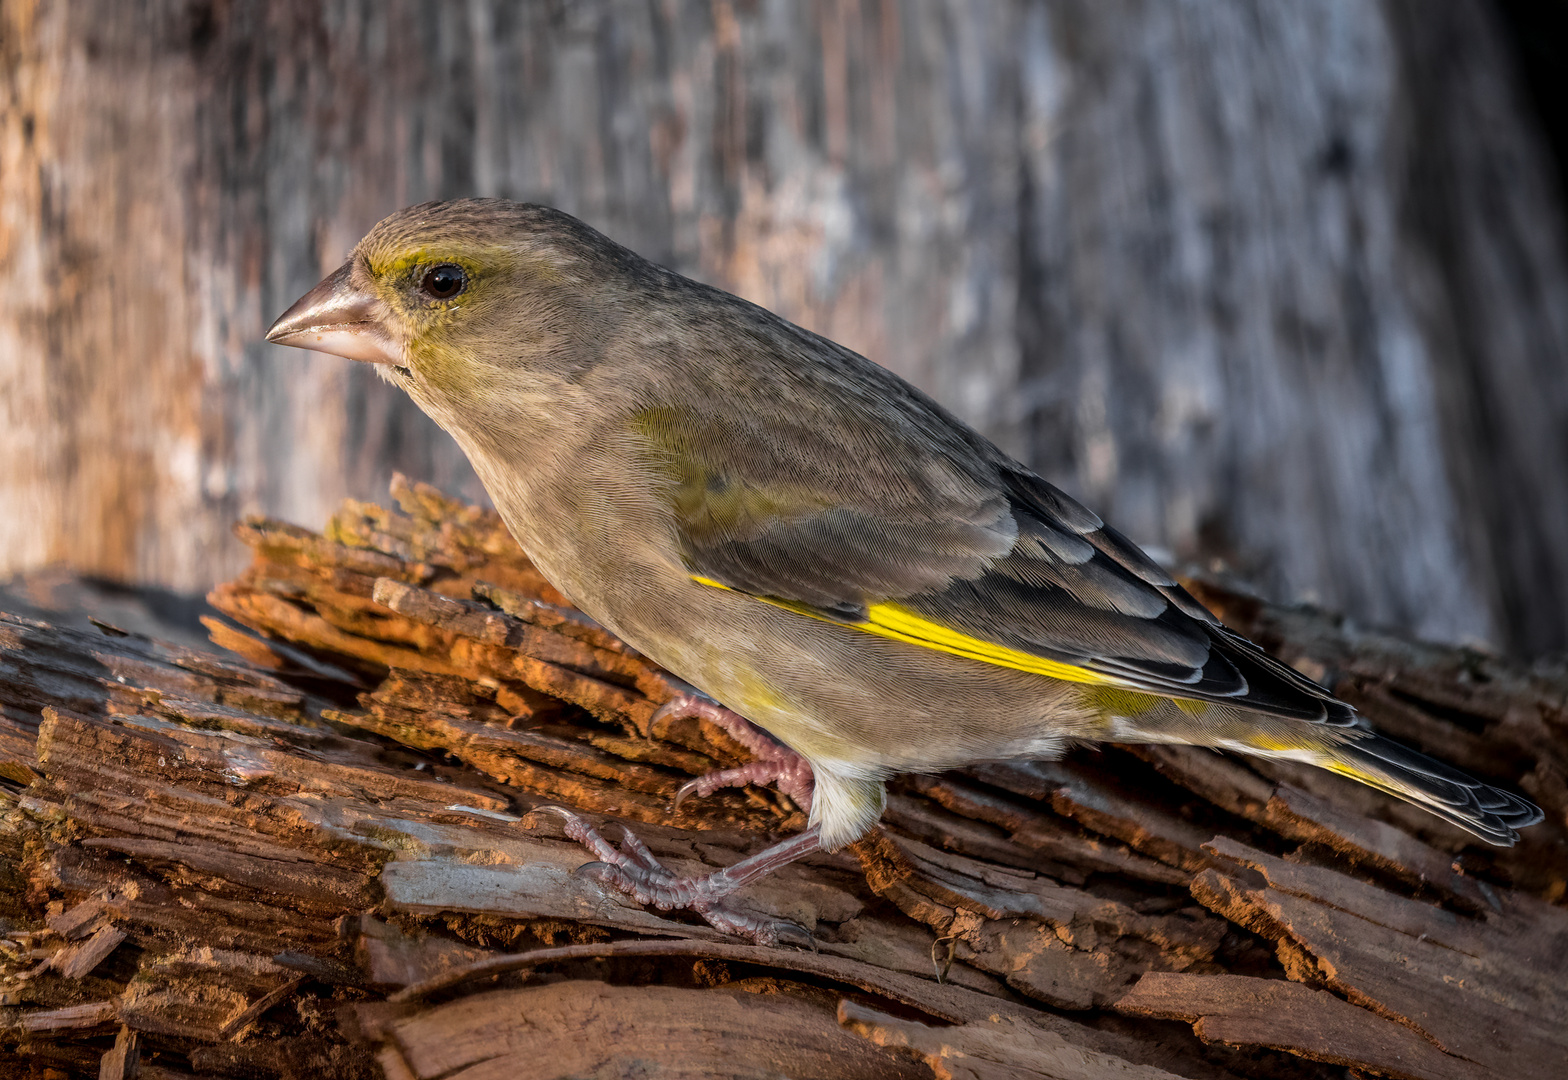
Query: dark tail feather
{"type": "Point", "coordinates": [1479, 809]}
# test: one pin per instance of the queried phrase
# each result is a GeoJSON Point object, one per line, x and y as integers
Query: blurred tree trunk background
{"type": "Point", "coordinates": [1280, 284]}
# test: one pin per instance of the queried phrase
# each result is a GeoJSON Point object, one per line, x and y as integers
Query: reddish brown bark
{"type": "Point", "coordinates": [313, 856]}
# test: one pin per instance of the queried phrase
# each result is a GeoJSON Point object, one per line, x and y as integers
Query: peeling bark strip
{"type": "Point", "coordinates": [313, 856]}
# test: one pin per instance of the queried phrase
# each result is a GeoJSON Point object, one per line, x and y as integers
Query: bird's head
{"type": "Point", "coordinates": [462, 303]}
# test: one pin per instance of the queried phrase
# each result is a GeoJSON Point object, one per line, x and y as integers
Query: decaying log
{"type": "Point", "coordinates": [313, 854]}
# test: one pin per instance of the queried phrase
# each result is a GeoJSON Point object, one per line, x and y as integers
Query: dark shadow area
{"type": "Point", "coordinates": [1537, 34]}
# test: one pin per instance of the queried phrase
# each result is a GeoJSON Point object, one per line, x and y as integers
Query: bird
{"type": "Point", "coordinates": [858, 583]}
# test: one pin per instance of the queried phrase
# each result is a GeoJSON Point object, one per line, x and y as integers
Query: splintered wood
{"type": "Point", "coordinates": [311, 854]}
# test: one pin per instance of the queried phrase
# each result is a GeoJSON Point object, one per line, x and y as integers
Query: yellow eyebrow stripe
{"type": "Point", "coordinates": [901, 624]}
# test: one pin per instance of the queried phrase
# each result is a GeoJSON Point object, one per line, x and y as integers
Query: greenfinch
{"type": "Point", "coordinates": [809, 540]}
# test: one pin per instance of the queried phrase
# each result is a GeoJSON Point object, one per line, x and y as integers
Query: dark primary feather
{"type": "Point", "coordinates": [1488, 812]}
{"type": "Point", "coordinates": [969, 540]}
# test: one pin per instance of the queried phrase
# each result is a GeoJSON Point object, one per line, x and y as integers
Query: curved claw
{"type": "Point", "coordinates": [686, 791]}
{"type": "Point", "coordinates": [550, 808]}
{"type": "Point", "coordinates": [680, 705]}
{"type": "Point", "coordinates": [788, 932]}
{"type": "Point", "coordinates": [597, 870]}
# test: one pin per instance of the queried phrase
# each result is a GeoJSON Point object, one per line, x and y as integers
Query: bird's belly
{"type": "Point", "coordinates": [865, 705]}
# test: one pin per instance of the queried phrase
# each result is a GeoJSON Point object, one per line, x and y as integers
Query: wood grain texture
{"type": "Point", "coordinates": [1290, 1016]}
{"type": "Point", "coordinates": [316, 855]}
{"type": "Point", "coordinates": [1281, 285]}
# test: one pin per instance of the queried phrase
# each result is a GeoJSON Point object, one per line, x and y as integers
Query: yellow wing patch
{"type": "Point", "coordinates": [901, 624]}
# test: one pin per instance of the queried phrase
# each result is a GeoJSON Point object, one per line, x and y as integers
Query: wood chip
{"type": "Point", "coordinates": [586, 1028]}
{"type": "Point", "coordinates": [1288, 1016]}
{"type": "Point", "coordinates": [999, 1048]}
{"type": "Point", "coordinates": [93, 1014]}
{"type": "Point", "coordinates": [75, 961]}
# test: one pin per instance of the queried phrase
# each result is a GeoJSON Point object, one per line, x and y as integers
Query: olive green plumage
{"type": "Point", "coordinates": [807, 538]}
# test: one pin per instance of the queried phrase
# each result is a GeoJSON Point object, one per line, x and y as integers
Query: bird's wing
{"type": "Point", "coordinates": [944, 543]}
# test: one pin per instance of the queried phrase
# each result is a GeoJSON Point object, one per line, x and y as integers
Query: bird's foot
{"type": "Point", "coordinates": [776, 763]}
{"type": "Point", "coordinates": [633, 870]}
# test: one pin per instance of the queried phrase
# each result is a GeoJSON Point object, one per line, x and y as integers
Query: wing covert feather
{"type": "Point", "coordinates": [955, 534]}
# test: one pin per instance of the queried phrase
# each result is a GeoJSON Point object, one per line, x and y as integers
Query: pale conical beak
{"type": "Point", "coordinates": [337, 318]}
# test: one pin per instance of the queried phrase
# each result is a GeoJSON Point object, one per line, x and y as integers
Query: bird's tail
{"type": "Point", "coordinates": [1479, 809]}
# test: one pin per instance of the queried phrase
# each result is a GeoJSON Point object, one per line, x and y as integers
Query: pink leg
{"type": "Point", "coordinates": [775, 764]}
{"type": "Point", "coordinates": [632, 869]}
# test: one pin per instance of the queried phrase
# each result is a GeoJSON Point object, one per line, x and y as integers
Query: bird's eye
{"type": "Point", "coordinates": [443, 282]}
